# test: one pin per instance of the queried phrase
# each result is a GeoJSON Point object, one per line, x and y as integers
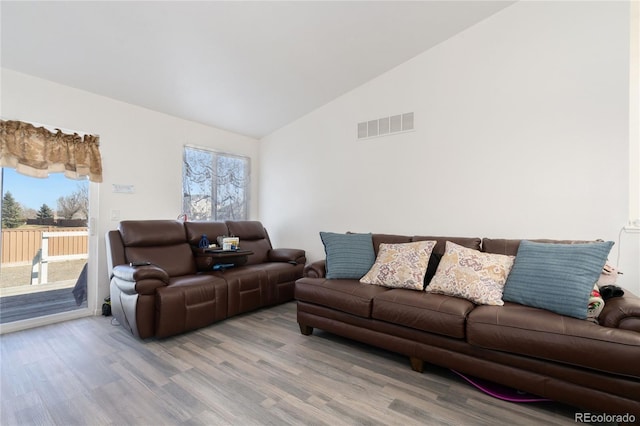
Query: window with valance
{"type": "Point", "coordinates": [36, 151]}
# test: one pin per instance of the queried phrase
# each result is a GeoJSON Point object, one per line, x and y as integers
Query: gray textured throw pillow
{"type": "Point", "coordinates": [349, 256]}
{"type": "Point", "coordinates": [556, 277]}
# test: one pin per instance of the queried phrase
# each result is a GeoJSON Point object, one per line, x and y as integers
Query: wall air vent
{"type": "Point", "coordinates": [407, 121]}
{"type": "Point", "coordinates": [396, 123]}
{"type": "Point", "coordinates": [372, 128]}
{"type": "Point", "coordinates": [386, 126]}
{"type": "Point", "coordinates": [362, 130]}
{"type": "Point", "coordinates": [383, 126]}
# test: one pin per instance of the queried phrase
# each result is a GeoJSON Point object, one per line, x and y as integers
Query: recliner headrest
{"type": "Point", "coordinates": [246, 229]}
{"type": "Point", "coordinates": [145, 233]}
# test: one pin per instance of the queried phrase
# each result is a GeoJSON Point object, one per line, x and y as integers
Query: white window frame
{"type": "Point", "coordinates": [207, 210]}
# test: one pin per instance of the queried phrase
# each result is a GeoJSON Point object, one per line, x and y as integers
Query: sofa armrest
{"type": "Point", "coordinates": [294, 256]}
{"type": "Point", "coordinates": [139, 279]}
{"type": "Point", "coordinates": [621, 312]}
{"type": "Point", "coordinates": [315, 269]}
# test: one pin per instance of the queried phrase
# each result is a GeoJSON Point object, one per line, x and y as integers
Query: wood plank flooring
{"type": "Point", "coordinates": [31, 305]}
{"type": "Point", "coordinates": [253, 369]}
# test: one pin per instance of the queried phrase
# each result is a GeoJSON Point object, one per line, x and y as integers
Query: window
{"type": "Point", "coordinates": [215, 186]}
{"type": "Point", "coordinates": [45, 250]}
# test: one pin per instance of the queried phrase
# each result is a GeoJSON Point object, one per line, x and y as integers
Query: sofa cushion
{"type": "Point", "coordinates": [539, 333]}
{"type": "Point", "coordinates": [400, 265]}
{"type": "Point", "coordinates": [211, 229]}
{"type": "Point", "coordinates": [161, 242]}
{"type": "Point", "coordinates": [151, 233]}
{"type": "Point", "coordinates": [433, 313]}
{"type": "Point", "coordinates": [253, 237]}
{"type": "Point", "coordinates": [510, 246]}
{"type": "Point", "coordinates": [343, 295]}
{"type": "Point", "coordinates": [281, 278]}
{"type": "Point", "coordinates": [280, 272]}
{"type": "Point", "coordinates": [189, 302]}
{"type": "Point", "coordinates": [441, 242]}
{"type": "Point", "coordinates": [246, 229]}
{"type": "Point", "coordinates": [176, 260]}
{"type": "Point", "coordinates": [388, 239]}
{"type": "Point", "coordinates": [470, 274]}
{"type": "Point", "coordinates": [247, 288]}
{"type": "Point", "coordinates": [556, 277]}
{"type": "Point", "coordinates": [260, 249]}
{"type": "Point", "coordinates": [349, 256]}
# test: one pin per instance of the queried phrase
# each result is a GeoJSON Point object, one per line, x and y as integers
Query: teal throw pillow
{"type": "Point", "coordinates": [349, 256]}
{"type": "Point", "coordinates": [556, 277]}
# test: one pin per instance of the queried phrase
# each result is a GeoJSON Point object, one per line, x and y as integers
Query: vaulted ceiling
{"type": "Point", "coordinates": [248, 67]}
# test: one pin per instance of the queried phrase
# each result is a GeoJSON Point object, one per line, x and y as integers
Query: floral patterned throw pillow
{"type": "Point", "coordinates": [473, 275]}
{"type": "Point", "coordinates": [400, 265]}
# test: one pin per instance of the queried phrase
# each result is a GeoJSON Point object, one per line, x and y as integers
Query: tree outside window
{"type": "Point", "coordinates": [215, 186]}
{"type": "Point", "coordinates": [75, 205]}
{"type": "Point", "coordinates": [45, 212]}
{"type": "Point", "coordinates": [12, 212]}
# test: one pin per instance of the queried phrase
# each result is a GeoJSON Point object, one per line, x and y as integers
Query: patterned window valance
{"type": "Point", "coordinates": [36, 151]}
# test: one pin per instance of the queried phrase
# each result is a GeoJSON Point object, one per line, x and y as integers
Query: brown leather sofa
{"type": "Point", "coordinates": [577, 362]}
{"type": "Point", "coordinates": [179, 290]}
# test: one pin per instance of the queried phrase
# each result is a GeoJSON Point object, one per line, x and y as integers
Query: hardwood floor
{"type": "Point", "coordinates": [31, 305]}
{"type": "Point", "coordinates": [254, 369]}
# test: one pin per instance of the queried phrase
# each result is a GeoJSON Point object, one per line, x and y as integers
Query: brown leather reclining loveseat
{"type": "Point", "coordinates": [179, 291]}
{"type": "Point", "coordinates": [596, 367]}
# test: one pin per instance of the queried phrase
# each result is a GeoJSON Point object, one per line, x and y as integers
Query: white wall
{"type": "Point", "coordinates": [139, 147]}
{"type": "Point", "coordinates": [521, 132]}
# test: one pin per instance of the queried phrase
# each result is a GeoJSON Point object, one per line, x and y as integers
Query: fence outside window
{"type": "Point", "coordinates": [20, 246]}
